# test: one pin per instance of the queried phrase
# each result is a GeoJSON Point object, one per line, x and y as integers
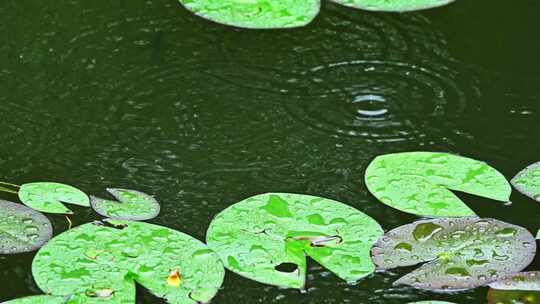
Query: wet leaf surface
{"type": "Point", "coordinates": [393, 5]}
{"type": "Point", "coordinates": [528, 181]}
{"type": "Point", "coordinates": [520, 281]}
{"type": "Point", "coordinates": [96, 262]}
{"type": "Point", "coordinates": [22, 229]}
{"type": "Point", "coordinates": [130, 205]}
{"type": "Point", "coordinates": [266, 238]}
{"type": "Point", "coordinates": [40, 300]}
{"type": "Point", "coordinates": [50, 197]}
{"type": "Point", "coordinates": [420, 182]}
{"type": "Point", "coordinates": [513, 297]}
{"type": "Point", "coordinates": [461, 253]}
{"type": "Point", "coordinates": [257, 14]}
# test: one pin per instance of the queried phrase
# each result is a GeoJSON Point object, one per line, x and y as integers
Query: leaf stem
{"type": "Point", "coordinates": [70, 223]}
{"type": "Point", "coordinates": [9, 184]}
{"type": "Point", "coordinates": [4, 189]}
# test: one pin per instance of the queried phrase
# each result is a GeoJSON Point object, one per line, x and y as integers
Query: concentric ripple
{"type": "Point", "coordinates": [339, 34]}
{"type": "Point", "coordinates": [380, 101]}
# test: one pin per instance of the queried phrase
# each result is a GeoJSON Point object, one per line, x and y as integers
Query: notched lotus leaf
{"type": "Point", "coordinates": [528, 181]}
{"type": "Point", "coordinates": [102, 263]}
{"type": "Point", "coordinates": [40, 300]}
{"type": "Point", "coordinates": [130, 205]}
{"type": "Point", "coordinates": [520, 281]}
{"type": "Point", "coordinates": [459, 253]}
{"type": "Point", "coordinates": [49, 197]}
{"type": "Point", "coordinates": [394, 5]}
{"type": "Point", "coordinates": [266, 238]}
{"type": "Point", "coordinates": [496, 296]}
{"type": "Point", "coordinates": [22, 229]}
{"type": "Point", "coordinates": [256, 14]}
{"type": "Point", "coordinates": [420, 182]}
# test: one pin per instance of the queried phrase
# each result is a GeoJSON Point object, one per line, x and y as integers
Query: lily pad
{"type": "Point", "coordinates": [256, 14]}
{"type": "Point", "coordinates": [528, 181]}
{"type": "Point", "coordinates": [393, 5]}
{"type": "Point", "coordinates": [49, 197]}
{"type": "Point", "coordinates": [22, 229]}
{"type": "Point", "coordinates": [266, 238]}
{"type": "Point", "coordinates": [420, 182]}
{"type": "Point", "coordinates": [520, 281]}
{"type": "Point", "coordinates": [40, 300]}
{"type": "Point", "coordinates": [97, 262]}
{"type": "Point", "coordinates": [461, 253]}
{"type": "Point", "coordinates": [131, 205]}
{"type": "Point", "coordinates": [496, 296]}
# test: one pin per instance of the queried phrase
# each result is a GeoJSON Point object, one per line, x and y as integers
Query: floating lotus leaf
{"type": "Point", "coordinates": [266, 238]}
{"type": "Point", "coordinates": [393, 5]}
{"type": "Point", "coordinates": [496, 296]}
{"type": "Point", "coordinates": [96, 262]}
{"type": "Point", "coordinates": [257, 14]}
{"type": "Point", "coordinates": [420, 182]}
{"type": "Point", "coordinates": [131, 205]}
{"type": "Point", "coordinates": [528, 181]}
{"type": "Point", "coordinates": [461, 253]}
{"type": "Point", "coordinates": [40, 300]}
{"type": "Point", "coordinates": [520, 281]}
{"type": "Point", "coordinates": [49, 197]}
{"type": "Point", "coordinates": [22, 229]}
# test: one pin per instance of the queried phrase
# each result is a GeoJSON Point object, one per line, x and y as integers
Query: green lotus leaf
{"type": "Point", "coordinates": [49, 197]}
{"type": "Point", "coordinates": [130, 205]}
{"type": "Point", "coordinates": [393, 5]}
{"type": "Point", "coordinates": [528, 181]}
{"type": "Point", "coordinates": [459, 253]}
{"type": "Point", "coordinates": [40, 300]}
{"type": "Point", "coordinates": [97, 263]}
{"type": "Point", "coordinates": [420, 182]}
{"type": "Point", "coordinates": [22, 229]}
{"type": "Point", "coordinates": [519, 281]}
{"type": "Point", "coordinates": [256, 14]}
{"type": "Point", "coordinates": [266, 238]}
{"type": "Point", "coordinates": [496, 296]}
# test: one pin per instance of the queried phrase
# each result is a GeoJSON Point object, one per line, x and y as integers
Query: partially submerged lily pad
{"type": "Point", "coordinates": [256, 14]}
{"type": "Point", "coordinates": [22, 229]}
{"type": "Point", "coordinates": [50, 197]}
{"type": "Point", "coordinates": [130, 205]}
{"type": "Point", "coordinates": [496, 296]}
{"type": "Point", "coordinates": [520, 281]}
{"type": "Point", "coordinates": [96, 262]}
{"type": "Point", "coordinates": [528, 181]}
{"type": "Point", "coordinates": [394, 5]}
{"type": "Point", "coordinates": [420, 182]}
{"type": "Point", "coordinates": [461, 253]}
{"type": "Point", "coordinates": [40, 300]}
{"type": "Point", "coordinates": [266, 238]}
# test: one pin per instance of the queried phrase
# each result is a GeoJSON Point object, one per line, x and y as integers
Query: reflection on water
{"type": "Point", "coordinates": [144, 95]}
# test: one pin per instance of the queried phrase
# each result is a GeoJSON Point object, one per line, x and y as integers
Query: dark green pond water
{"type": "Point", "coordinates": [144, 95]}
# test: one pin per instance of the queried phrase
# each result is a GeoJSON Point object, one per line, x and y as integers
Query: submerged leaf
{"type": "Point", "coordinates": [393, 5]}
{"type": "Point", "coordinates": [97, 261]}
{"type": "Point", "coordinates": [528, 181]}
{"type": "Point", "coordinates": [513, 297]}
{"type": "Point", "coordinates": [49, 197]}
{"type": "Point", "coordinates": [461, 253]}
{"type": "Point", "coordinates": [420, 182]}
{"type": "Point", "coordinates": [266, 238]}
{"type": "Point", "coordinates": [520, 281]}
{"type": "Point", "coordinates": [257, 14]}
{"type": "Point", "coordinates": [22, 229]}
{"type": "Point", "coordinates": [131, 205]}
